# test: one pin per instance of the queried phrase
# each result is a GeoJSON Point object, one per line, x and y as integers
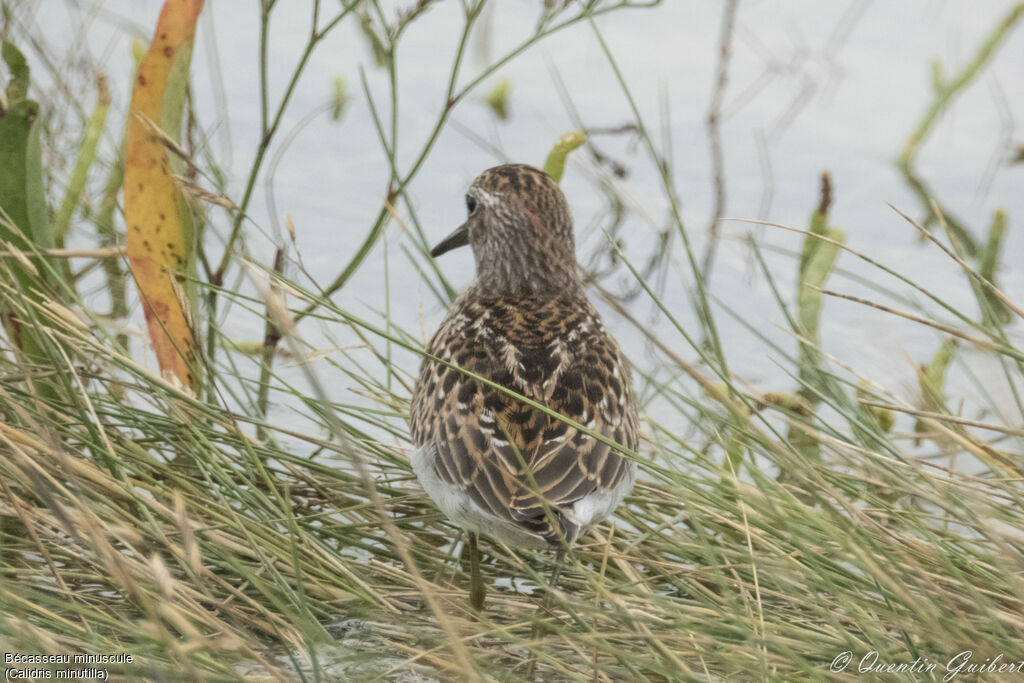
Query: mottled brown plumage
{"type": "Point", "coordinates": [493, 463]}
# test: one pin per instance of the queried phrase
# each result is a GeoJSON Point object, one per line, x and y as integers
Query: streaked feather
{"type": "Point", "coordinates": [510, 458]}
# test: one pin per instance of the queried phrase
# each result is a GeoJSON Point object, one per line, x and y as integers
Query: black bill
{"type": "Point", "coordinates": [459, 238]}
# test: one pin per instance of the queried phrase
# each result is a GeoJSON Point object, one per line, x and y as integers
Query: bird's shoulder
{"type": "Point", "coordinates": [553, 350]}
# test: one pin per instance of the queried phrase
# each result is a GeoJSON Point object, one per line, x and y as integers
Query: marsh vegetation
{"type": "Point", "coordinates": [252, 512]}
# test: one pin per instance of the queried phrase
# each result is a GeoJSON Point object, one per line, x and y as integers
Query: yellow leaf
{"type": "Point", "coordinates": [158, 241]}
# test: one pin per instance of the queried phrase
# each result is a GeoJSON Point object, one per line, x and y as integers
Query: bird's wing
{"type": "Point", "coordinates": [514, 460]}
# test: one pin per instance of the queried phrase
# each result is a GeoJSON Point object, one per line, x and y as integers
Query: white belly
{"type": "Point", "coordinates": [463, 511]}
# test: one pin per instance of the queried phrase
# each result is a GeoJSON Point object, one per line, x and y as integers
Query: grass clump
{"type": "Point", "coordinates": [212, 537]}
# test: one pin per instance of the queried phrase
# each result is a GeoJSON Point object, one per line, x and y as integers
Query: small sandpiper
{"type": "Point", "coordinates": [494, 464]}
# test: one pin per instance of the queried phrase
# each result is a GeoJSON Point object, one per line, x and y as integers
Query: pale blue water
{"type": "Point", "coordinates": [813, 86]}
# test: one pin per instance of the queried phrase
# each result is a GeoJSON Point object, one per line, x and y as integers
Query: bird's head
{"type": "Point", "coordinates": [520, 229]}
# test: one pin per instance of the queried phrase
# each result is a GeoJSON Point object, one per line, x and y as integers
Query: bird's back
{"type": "Point", "coordinates": [513, 461]}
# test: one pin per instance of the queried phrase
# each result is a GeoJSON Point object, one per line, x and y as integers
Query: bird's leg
{"type": "Point", "coordinates": [555, 574]}
{"type": "Point", "coordinates": [545, 608]}
{"type": "Point", "coordinates": [476, 582]}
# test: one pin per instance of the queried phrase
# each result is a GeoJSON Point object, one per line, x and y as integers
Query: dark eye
{"type": "Point", "coordinates": [470, 204]}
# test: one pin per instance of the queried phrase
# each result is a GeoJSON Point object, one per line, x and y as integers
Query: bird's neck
{"type": "Point", "coordinates": [520, 272]}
